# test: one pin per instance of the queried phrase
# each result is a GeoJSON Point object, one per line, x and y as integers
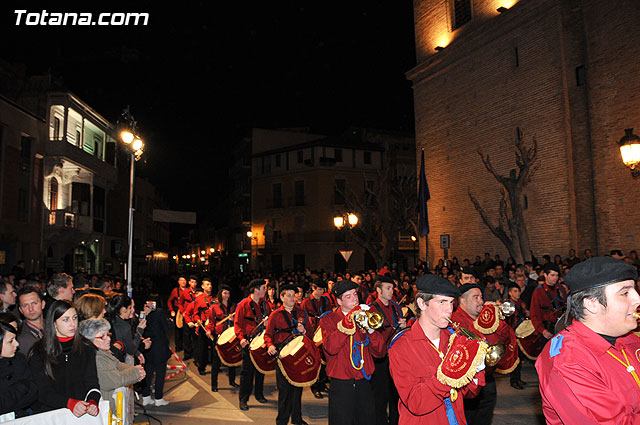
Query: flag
{"type": "Point", "coordinates": [423, 197]}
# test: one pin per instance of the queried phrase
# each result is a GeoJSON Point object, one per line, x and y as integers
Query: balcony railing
{"type": "Point", "coordinates": [62, 218]}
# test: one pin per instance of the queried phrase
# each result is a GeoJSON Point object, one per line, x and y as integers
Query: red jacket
{"type": "Point", "coordinates": [390, 313]}
{"type": "Point", "coordinates": [246, 320]}
{"type": "Point", "coordinates": [337, 348]}
{"type": "Point", "coordinates": [278, 329]}
{"type": "Point", "coordinates": [542, 310]}
{"type": "Point", "coordinates": [187, 296]}
{"type": "Point", "coordinates": [202, 303]}
{"type": "Point", "coordinates": [316, 308]}
{"type": "Point", "coordinates": [581, 383]}
{"type": "Point", "coordinates": [332, 298]}
{"type": "Point", "coordinates": [174, 300]}
{"type": "Point", "coordinates": [216, 313]}
{"type": "Point", "coordinates": [413, 363]}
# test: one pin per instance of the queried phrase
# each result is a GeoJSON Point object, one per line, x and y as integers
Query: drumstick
{"type": "Point", "coordinates": [257, 327]}
{"type": "Point", "coordinates": [204, 329]}
{"type": "Point", "coordinates": [225, 319]}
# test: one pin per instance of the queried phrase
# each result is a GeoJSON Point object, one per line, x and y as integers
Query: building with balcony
{"type": "Point", "coordinates": [560, 71]}
{"type": "Point", "coordinates": [297, 186]}
{"type": "Point", "coordinates": [79, 171]}
{"type": "Point", "coordinates": [23, 136]}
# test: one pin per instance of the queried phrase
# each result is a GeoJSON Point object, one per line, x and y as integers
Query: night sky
{"type": "Point", "coordinates": [201, 75]}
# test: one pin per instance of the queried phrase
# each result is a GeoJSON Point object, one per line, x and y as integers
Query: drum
{"type": "Point", "coordinates": [299, 361]}
{"type": "Point", "coordinates": [179, 320]}
{"type": "Point", "coordinates": [260, 357]}
{"type": "Point", "coordinates": [530, 342]}
{"type": "Point", "coordinates": [229, 348]}
{"type": "Point", "coordinates": [317, 337]}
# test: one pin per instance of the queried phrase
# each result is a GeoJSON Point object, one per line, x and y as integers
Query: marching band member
{"type": "Point", "coordinates": [198, 316]}
{"type": "Point", "coordinates": [220, 310]}
{"type": "Point", "coordinates": [289, 319]}
{"type": "Point", "coordinates": [514, 320]}
{"type": "Point", "coordinates": [416, 356]}
{"type": "Point", "coordinates": [187, 298]}
{"type": "Point", "coordinates": [315, 306]}
{"type": "Point", "coordinates": [330, 295]}
{"type": "Point", "coordinates": [479, 410]}
{"type": "Point", "coordinates": [249, 319]}
{"type": "Point", "coordinates": [174, 307]}
{"type": "Point", "coordinates": [348, 349]}
{"type": "Point", "coordinates": [589, 371]}
{"type": "Point", "coordinates": [548, 302]}
{"type": "Point", "coordinates": [384, 392]}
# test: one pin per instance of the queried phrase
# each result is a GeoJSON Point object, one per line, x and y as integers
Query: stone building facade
{"type": "Point", "coordinates": [564, 72]}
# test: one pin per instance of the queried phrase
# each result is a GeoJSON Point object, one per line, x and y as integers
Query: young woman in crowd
{"type": "Point", "coordinates": [63, 365]}
{"type": "Point", "coordinates": [120, 311]}
{"type": "Point", "coordinates": [17, 389]}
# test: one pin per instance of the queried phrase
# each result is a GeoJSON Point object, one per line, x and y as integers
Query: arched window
{"type": "Point", "coordinates": [53, 195]}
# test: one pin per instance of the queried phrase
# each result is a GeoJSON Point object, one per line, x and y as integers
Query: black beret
{"type": "Point", "coordinates": [343, 286]}
{"type": "Point", "coordinates": [256, 283]}
{"type": "Point", "coordinates": [320, 283]}
{"type": "Point", "coordinates": [436, 285]}
{"type": "Point", "coordinates": [469, 270]}
{"type": "Point", "coordinates": [551, 267]}
{"type": "Point", "coordinates": [386, 278]}
{"type": "Point", "coordinates": [469, 286]}
{"type": "Point", "coordinates": [288, 287]}
{"type": "Point", "coordinates": [599, 271]}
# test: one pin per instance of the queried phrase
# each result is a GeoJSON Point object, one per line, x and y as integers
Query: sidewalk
{"type": "Point", "coordinates": [192, 402]}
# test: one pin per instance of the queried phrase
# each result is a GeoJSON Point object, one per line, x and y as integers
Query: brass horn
{"type": "Point", "coordinates": [494, 352]}
{"type": "Point", "coordinates": [367, 319]}
{"type": "Point", "coordinates": [507, 308]}
{"type": "Point", "coordinates": [636, 315]}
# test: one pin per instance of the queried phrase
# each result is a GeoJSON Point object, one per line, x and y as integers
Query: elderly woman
{"type": "Point", "coordinates": [63, 365]}
{"type": "Point", "coordinates": [17, 389]}
{"type": "Point", "coordinates": [112, 373]}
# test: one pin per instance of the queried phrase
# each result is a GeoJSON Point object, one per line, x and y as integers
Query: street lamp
{"type": "Point", "coordinates": [135, 145]}
{"type": "Point", "coordinates": [413, 239]}
{"type": "Point", "coordinates": [348, 219]}
{"type": "Point", "coordinates": [630, 150]}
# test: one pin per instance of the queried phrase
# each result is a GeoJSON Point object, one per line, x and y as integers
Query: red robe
{"type": "Point", "coordinates": [337, 348]}
{"type": "Point", "coordinates": [581, 383]}
{"type": "Point", "coordinates": [413, 363]}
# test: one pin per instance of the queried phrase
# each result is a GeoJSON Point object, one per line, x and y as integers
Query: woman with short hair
{"type": "Point", "coordinates": [112, 373]}
{"type": "Point", "coordinates": [63, 365]}
{"type": "Point", "coordinates": [90, 306]}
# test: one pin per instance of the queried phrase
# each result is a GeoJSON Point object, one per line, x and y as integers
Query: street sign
{"type": "Point", "coordinates": [168, 216]}
{"type": "Point", "coordinates": [445, 242]}
{"type": "Point", "coordinates": [346, 254]}
{"type": "Point", "coordinates": [243, 255]}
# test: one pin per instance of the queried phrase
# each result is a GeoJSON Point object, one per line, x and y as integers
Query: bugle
{"type": "Point", "coordinates": [367, 319]}
{"type": "Point", "coordinates": [494, 352]}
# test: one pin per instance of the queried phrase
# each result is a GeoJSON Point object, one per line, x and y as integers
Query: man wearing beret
{"type": "Point", "coordinates": [479, 410]}
{"type": "Point", "coordinates": [248, 323]}
{"type": "Point", "coordinates": [548, 302]}
{"type": "Point", "coordinates": [316, 305]}
{"type": "Point", "coordinates": [384, 391]}
{"type": "Point", "coordinates": [589, 371]}
{"type": "Point", "coordinates": [289, 319]}
{"type": "Point", "coordinates": [348, 350]}
{"type": "Point", "coordinates": [415, 356]}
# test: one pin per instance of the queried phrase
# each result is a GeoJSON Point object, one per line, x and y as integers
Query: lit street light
{"type": "Point", "coordinates": [135, 145]}
{"type": "Point", "coordinates": [630, 150]}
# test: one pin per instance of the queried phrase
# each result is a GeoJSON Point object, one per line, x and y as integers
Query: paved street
{"type": "Point", "coordinates": [192, 402]}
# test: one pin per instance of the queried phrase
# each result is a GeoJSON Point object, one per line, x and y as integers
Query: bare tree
{"type": "Point", "coordinates": [384, 210]}
{"type": "Point", "coordinates": [512, 228]}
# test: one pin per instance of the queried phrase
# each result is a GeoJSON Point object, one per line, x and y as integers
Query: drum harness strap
{"type": "Point", "coordinates": [395, 308]}
{"type": "Point", "coordinates": [258, 321]}
{"type": "Point", "coordinates": [556, 301]}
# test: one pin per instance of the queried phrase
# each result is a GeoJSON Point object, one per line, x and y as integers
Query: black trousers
{"type": "Point", "coordinates": [203, 349]}
{"type": "Point", "coordinates": [351, 402]}
{"type": "Point", "coordinates": [189, 340]}
{"type": "Point", "coordinates": [479, 410]}
{"type": "Point", "coordinates": [248, 374]}
{"type": "Point", "coordinates": [177, 336]}
{"type": "Point", "coordinates": [289, 401]}
{"type": "Point", "coordinates": [215, 367]}
{"type": "Point", "coordinates": [159, 369]}
{"type": "Point", "coordinates": [322, 379]}
{"type": "Point", "coordinates": [384, 394]}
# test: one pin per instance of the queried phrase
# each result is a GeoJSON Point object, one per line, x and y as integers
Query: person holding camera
{"type": "Point", "coordinates": [156, 357]}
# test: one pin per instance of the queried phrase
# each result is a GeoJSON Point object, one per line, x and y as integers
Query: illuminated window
{"type": "Point", "coordinates": [53, 194]}
{"type": "Point", "coordinates": [56, 124]}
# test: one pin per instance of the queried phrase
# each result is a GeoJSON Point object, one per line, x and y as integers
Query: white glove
{"type": "Point", "coordinates": [371, 330]}
{"type": "Point", "coordinates": [480, 367]}
{"type": "Point", "coordinates": [364, 307]}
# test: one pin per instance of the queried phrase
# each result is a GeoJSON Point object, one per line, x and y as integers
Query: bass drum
{"type": "Point", "coordinates": [260, 357]}
{"type": "Point", "coordinates": [299, 361]}
{"type": "Point", "coordinates": [229, 348]}
{"type": "Point", "coordinates": [530, 342]}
